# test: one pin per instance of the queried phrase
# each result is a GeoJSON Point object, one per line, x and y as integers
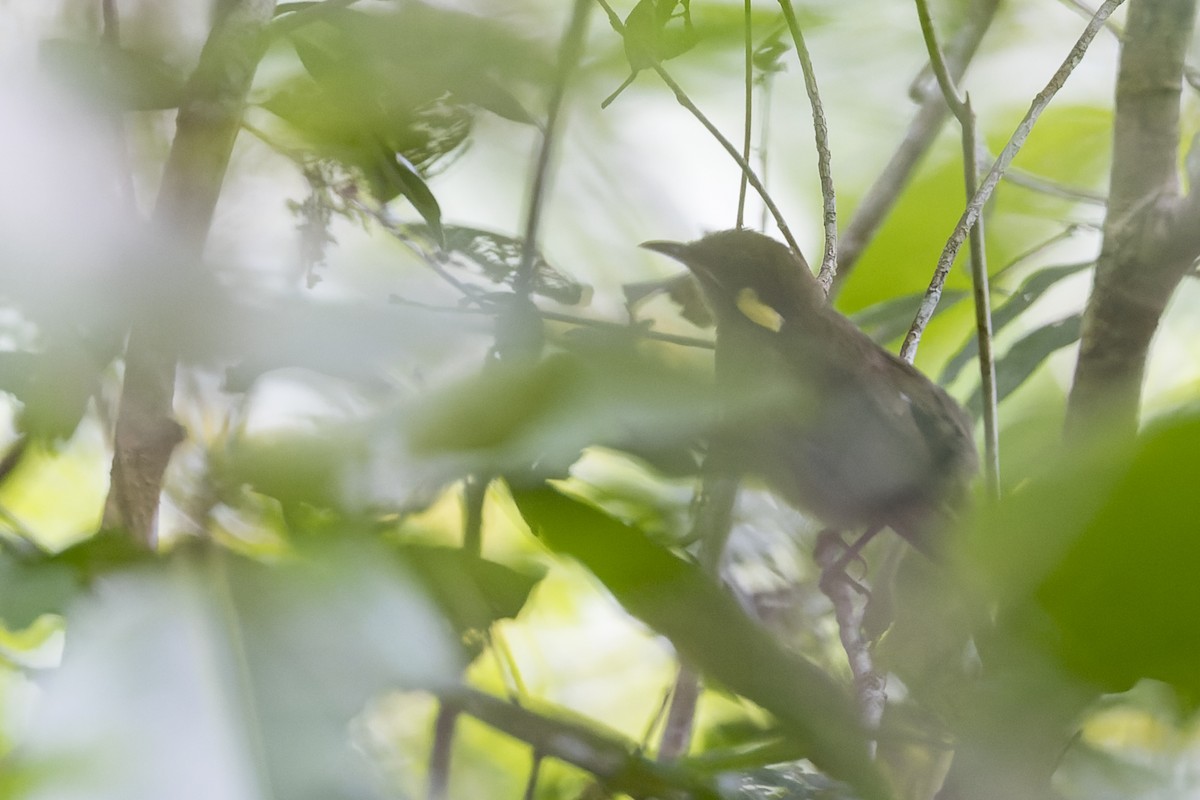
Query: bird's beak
{"type": "Point", "coordinates": [675, 250]}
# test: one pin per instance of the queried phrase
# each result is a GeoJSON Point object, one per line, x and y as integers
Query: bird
{"type": "Point", "coordinates": [828, 419]}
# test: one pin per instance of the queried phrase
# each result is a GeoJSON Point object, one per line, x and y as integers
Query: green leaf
{"type": "Point", "coordinates": [473, 592]}
{"type": "Point", "coordinates": [710, 630]}
{"type": "Point", "coordinates": [527, 421]}
{"type": "Point", "coordinates": [120, 79]}
{"type": "Point", "coordinates": [226, 675]}
{"type": "Point", "coordinates": [889, 320]}
{"type": "Point", "coordinates": [498, 257]}
{"type": "Point", "coordinates": [651, 37]}
{"type": "Point", "coordinates": [1124, 593]}
{"type": "Point", "coordinates": [405, 180]}
{"type": "Point", "coordinates": [1030, 291]}
{"type": "Point", "coordinates": [1025, 356]}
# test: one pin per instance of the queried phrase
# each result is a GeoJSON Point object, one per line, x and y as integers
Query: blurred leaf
{"type": "Point", "coordinates": [122, 80]}
{"type": "Point", "coordinates": [1025, 356]}
{"type": "Point", "coordinates": [353, 342]}
{"type": "Point", "coordinates": [1124, 594]}
{"type": "Point", "coordinates": [1030, 290]}
{"type": "Point", "coordinates": [38, 583]}
{"type": "Point", "coordinates": [888, 320]}
{"type": "Point", "coordinates": [31, 588]}
{"type": "Point", "coordinates": [650, 37]}
{"type": "Point", "coordinates": [710, 630]}
{"type": "Point", "coordinates": [515, 418]}
{"type": "Point", "coordinates": [295, 468]}
{"type": "Point", "coordinates": [408, 182]}
{"type": "Point", "coordinates": [219, 677]}
{"type": "Point", "coordinates": [769, 53]}
{"type": "Point", "coordinates": [392, 92]}
{"type": "Point", "coordinates": [684, 291]}
{"type": "Point", "coordinates": [498, 257]}
{"type": "Point", "coordinates": [474, 592]}
{"type": "Point", "coordinates": [489, 95]}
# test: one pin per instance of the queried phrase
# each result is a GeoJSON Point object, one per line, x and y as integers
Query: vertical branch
{"type": "Point", "coordinates": [747, 118]}
{"type": "Point", "coordinates": [207, 125]}
{"type": "Point", "coordinates": [969, 216]}
{"type": "Point", "coordinates": [981, 294]}
{"type": "Point", "coordinates": [568, 56]}
{"type": "Point", "coordinates": [1146, 249]}
{"type": "Point", "coordinates": [824, 157]}
{"type": "Point", "coordinates": [960, 106]}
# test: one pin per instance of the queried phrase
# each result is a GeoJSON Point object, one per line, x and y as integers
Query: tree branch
{"type": "Point", "coordinates": [207, 125]}
{"type": "Point", "coordinates": [610, 758]}
{"type": "Point", "coordinates": [1148, 246]}
{"type": "Point", "coordinates": [824, 156]}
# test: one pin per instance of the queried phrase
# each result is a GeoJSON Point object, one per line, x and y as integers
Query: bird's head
{"type": "Point", "coordinates": [742, 269]}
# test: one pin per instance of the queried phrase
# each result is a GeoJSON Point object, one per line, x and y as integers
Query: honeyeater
{"type": "Point", "coordinates": [829, 420]}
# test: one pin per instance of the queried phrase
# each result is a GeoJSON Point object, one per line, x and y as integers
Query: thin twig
{"type": "Point", "coordinates": [682, 98]}
{"type": "Point", "coordinates": [669, 338]}
{"type": "Point", "coordinates": [568, 56]}
{"type": "Point", "coordinates": [535, 772]}
{"type": "Point", "coordinates": [980, 198]}
{"type": "Point", "coordinates": [983, 308]}
{"type": "Point", "coordinates": [824, 157]}
{"type": "Point", "coordinates": [873, 208]}
{"type": "Point", "coordinates": [439, 755]}
{"type": "Point", "coordinates": [1088, 12]}
{"type": "Point", "coordinates": [764, 137]}
{"type": "Point", "coordinates": [747, 114]}
{"type": "Point", "coordinates": [960, 106]}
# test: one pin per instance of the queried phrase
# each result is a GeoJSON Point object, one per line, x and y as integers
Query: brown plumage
{"type": "Point", "coordinates": [831, 421]}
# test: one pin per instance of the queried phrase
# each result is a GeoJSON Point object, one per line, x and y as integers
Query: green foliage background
{"type": "Point", "coordinates": [353, 349]}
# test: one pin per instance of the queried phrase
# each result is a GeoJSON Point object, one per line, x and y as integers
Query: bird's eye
{"type": "Point", "coordinates": [758, 312]}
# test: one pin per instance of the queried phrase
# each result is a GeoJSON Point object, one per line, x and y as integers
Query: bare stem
{"type": "Point", "coordinates": [685, 101]}
{"type": "Point", "coordinates": [960, 106]}
{"type": "Point", "coordinates": [824, 157]}
{"type": "Point", "coordinates": [983, 194]}
{"type": "Point", "coordinates": [208, 122]}
{"type": "Point", "coordinates": [747, 114]}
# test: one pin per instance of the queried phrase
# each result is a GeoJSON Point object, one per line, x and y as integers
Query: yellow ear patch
{"type": "Point", "coordinates": [758, 312]}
